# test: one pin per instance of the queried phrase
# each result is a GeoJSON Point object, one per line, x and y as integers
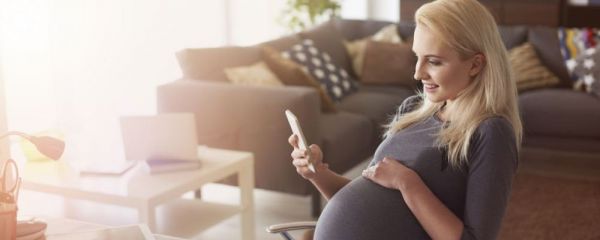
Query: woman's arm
{"type": "Point", "coordinates": [328, 182]}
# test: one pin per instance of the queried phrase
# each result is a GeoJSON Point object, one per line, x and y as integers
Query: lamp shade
{"type": "Point", "coordinates": [49, 146]}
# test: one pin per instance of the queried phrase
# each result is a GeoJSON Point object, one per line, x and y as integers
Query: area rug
{"type": "Point", "coordinates": [544, 207]}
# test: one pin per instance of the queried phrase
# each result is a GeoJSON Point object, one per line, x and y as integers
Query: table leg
{"type": "Point", "coordinates": [147, 215]}
{"type": "Point", "coordinates": [246, 185]}
{"type": "Point", "coordinates": [198, 194]}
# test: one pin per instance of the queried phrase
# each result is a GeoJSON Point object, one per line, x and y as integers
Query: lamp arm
{"type": "Point", "coordinates": [17, 133]}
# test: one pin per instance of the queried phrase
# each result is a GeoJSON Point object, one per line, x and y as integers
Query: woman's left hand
{"type": "Point", "coordinates": [391, 173]}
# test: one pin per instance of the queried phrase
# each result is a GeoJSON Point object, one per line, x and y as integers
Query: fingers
{"type": "Point", "coordinates": [299, 153]}
{"type": "Point", "coordinates": [293, 140]}
{"type": "Point", "coordinates": [302, 168]}
{"type": "Point", "coordinates": [370, 171]}
{"type": "Point", "coordinates": [301, 162]}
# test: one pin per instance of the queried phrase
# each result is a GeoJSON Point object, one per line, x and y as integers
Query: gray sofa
{"type": "Point", "coordinates": [252, 118]}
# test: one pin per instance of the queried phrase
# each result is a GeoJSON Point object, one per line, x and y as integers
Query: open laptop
{"type": "Point", "coordinates": [164, 136]}
{"type": "Point", "coordinates": [168, 136]}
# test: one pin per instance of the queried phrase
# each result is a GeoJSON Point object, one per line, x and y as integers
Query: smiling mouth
{"type": "Point", "coordinates": [430, 86]}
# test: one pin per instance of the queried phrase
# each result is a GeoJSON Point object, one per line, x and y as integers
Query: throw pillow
{"type": "Point", "coordinates": [333, 78]}
{"type": "Point", "coordinates": [257, 74]}
{"type": "Point", "coordinates": [389, 63]}
{"type": "Point", "coordinates": [573, 42]}
{"type": "Point", "coordinates": [587, 67]}
{"type": "Point", "coordinates": [293, 74]}
{"type": "Point", "coordinates": [328, 37]}
{"type": "Point", "coordinates": [528, 70]}
{"type": "Point", "coordinates": [356, 49]}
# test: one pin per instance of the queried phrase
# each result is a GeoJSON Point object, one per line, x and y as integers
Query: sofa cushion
{"type": "Point", "coordinates": [546, 43]}
{"type": "Point", "coordinates": [291, 73]}
{"type": "Point", "coordinates": [529, 72]}
{"type": "Point", "coordinates": [333, 79]}
{"type": "Point", "coordinates": [581, 145]}
{"type": "Point", "coordinates": [208, 63]}
{"type": "Point", "coordinates": [377, 107]}
{"type": "Point", "coordinates": [328, 38]}
{"type": "Point", "coordinates": [513, 36]}
{"type": "Point", "coordinates": [560, 113]}
{"type": "Point", "coordinates": [356, 49]}
{"type": "Point", "coordinates": [389, 63]}
{"type": "Point", "coordinates": [401, 92]}
{"type": "Point", "coordinates": [283, 42]}
{"type": "Point", "coordinates": [346, 139]}
{"type": "Point", "coordinates": [257, 74]}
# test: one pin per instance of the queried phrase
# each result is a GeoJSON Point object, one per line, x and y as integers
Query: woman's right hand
{"type": "Point", "coordinates": [301, 159]}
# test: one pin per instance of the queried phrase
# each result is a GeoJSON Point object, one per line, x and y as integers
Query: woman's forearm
{"type": "Point", "coordinates": [437, 220]}
{"type": "Point", "coordinates": [328, 182]}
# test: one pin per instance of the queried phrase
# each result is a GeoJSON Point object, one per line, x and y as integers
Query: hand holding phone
{"type": "Point", "coordinates": [297, 130]}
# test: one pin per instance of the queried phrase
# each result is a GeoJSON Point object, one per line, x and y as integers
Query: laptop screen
{"type": "Point", "coordinates": [168, 136]}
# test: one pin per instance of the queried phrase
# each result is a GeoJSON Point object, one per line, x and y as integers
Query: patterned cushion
{"type": "Point", "coordinates": [257, 74]}
{"type": "Point", "coordinates": [389, 63]}
{"type": "Point", "coordinates": [573, 42]}
{"type": "Point", "coordinates": [293, 74]}
{"type": "Point", "coordinates": [587, 67]}
{"type": "Point", "coordinates": [529, 71]}
{"type": "Point", "coordinates": [334, 79]}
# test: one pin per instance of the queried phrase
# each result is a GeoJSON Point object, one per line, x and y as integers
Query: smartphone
{"type": "Point", "coordinates": [296, 129]}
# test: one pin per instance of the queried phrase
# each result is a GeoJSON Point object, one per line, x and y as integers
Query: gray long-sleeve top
{"type": "Point", "coordinates": [477, 193]}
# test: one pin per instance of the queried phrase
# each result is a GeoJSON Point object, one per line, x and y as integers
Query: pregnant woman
{"type": "Point", "coordinates": [446, 165]}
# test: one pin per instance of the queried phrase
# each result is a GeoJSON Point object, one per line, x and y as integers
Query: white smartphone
{"type": "Point", "coordinates": [296, 129]}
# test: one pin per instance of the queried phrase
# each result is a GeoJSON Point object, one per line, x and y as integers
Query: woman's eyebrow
{"type": "Point", "coordinates": [427, 55]}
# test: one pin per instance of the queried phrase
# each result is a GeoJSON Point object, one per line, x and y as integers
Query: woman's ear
{"type": "Point", "coordinates": [477, 64]}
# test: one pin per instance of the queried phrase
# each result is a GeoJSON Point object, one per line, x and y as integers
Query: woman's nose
{"type": "Point", "coordinates": [419, 71]}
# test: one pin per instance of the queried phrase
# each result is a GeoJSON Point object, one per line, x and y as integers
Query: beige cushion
{"type": "Point", "coordinates": [356, 49]}
{"type": "Point", "coordinates": [293, 74]}
{"type": "Point", "coordinates": [389, 64]}
{"type": "Point", "coordinates": [528, 70]}
{"type": "Point", "coordinates": [257, 74]}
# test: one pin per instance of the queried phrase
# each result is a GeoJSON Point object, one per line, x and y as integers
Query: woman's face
{"type": "Point", "coordinates": [442, 71]}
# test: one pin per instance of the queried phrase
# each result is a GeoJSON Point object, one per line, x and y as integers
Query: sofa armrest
{"type": "Point", "coordinates": [248, 118]}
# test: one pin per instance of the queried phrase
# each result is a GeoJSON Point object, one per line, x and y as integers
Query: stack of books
{"type": "Point", "coordinates": [160, 165]}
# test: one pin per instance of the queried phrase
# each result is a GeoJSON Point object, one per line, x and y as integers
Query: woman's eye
{"type": "Point", "coordinates": [434, 63]}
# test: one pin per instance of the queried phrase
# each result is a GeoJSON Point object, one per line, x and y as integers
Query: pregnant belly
{"type": "Point", "coordinates": [365, 210]}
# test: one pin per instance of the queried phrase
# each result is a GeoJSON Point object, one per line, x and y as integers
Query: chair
{"type": "Point", "coordinates": [284, 228]}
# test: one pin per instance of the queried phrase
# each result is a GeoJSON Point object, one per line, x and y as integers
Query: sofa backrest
{"type": "Point", "coordinates": [544, 39]}
{"type": "Point", "coordinates": [208, 63]}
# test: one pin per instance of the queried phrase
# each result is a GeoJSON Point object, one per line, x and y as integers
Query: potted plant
{"type": "Point", "coordinates": [301, 14]}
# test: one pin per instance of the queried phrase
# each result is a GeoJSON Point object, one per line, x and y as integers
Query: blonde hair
{"type": "Point", "coordinates": [467, 27]}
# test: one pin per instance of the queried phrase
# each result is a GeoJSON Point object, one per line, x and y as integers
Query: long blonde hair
{"type": "Point", "coordinates": [467, 27]}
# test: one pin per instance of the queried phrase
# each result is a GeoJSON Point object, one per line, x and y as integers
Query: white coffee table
{"type": "Point", "coordinates": [144, 192]}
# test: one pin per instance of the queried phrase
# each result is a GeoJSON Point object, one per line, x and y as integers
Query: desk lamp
{"type": "Point", "coordinates": [49, 146]}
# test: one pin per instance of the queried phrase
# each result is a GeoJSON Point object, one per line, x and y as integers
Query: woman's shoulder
{"type": "Point", "coordinates": [495, 130]}
{"type": "Point", "coordinates": [495, 124]}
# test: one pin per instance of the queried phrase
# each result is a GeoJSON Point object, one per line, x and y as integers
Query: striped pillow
{"type": "Point", "coordinates": [528, 70]}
